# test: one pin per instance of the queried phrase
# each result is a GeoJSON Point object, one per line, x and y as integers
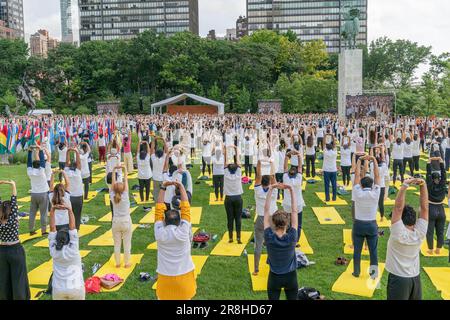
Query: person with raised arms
{"type": "Point", "coordinates": [405, 240]}
{"type": "Point", "coordinates": [145, 174]}
{"type": "Point", "coordinates": [75, 186]}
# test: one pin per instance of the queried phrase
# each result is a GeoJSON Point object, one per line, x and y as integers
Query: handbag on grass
{"type": "Point", "coordinates": [110, 281]}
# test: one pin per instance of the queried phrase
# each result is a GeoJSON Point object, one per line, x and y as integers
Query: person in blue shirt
{"type": "Point", "coordinates": [280, 244]}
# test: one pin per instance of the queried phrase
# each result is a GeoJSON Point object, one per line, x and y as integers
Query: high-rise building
{"type": "Point", "coordinates": [309, 19]}
{"type": "Point", "coordinates": [211, 35]}
{"type": "Point", "coordinates": [230, 34]}
{"type": "Point", "coordinates": [11, 11]}
{"type": "Point", "coordinates": [241, 27]}
{"type": "Point", "coordinates": [5, 32]}
{"type": "Point", "coordinates": [124, 19]}
{"type": "Point", "coordinates": [66, 21]}
{"type": "Point", "coordinates": [41, 43]}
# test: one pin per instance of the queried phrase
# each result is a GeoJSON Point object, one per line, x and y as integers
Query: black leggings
{"type": "Point", "coordinates": [436, 221]}
{"type": "Point", "coordinates": [279, 178]}
{"type": "Point", "coordinates": [77, 207]}
{"type": "Point", "coordinates": [218, 185]}
{"type": "Point", "coordinates": [86, 187]}
{"type": "Point", "coordinates": [144, 184]}
{"type": "Point", "coordinates": [381, 201]}
{"type": "Point", "coordinates": [13, 273]}
{"type": "Point", "coordinates": [346, 175]}
{"type": "Point", "coordinates": [204, 166]}
{"type": "Point", "coordinates": [398, 164]}
{"type": "Point", "coordinates": [410, 162]}
{"type": "Point", "coordinates": [233, 207]}
{"type": "Point", "coordinates": [310, 165]}
{"type": "Point", "coordinates": [416, 163]}
{"type": "Point", "coordinates": [287, 281]}
{"type": "Point", "coordinates": [247, 166]}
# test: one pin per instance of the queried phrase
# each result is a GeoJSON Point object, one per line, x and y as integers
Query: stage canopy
{"type": "Point", "coordinates": [182, 97]}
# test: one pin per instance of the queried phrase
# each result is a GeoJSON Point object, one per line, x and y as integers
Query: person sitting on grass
{"type": "Point", "coordinates": [121, 221]}
{"type": "Point", "coordinates": [405, 240]}
{"type": "Point", "coordinates": [67, 279]}
{"type": "Point", "coordinates": [13, 265]}
{"type": "Point", "coordinates": [281, 246]}
{"type": "Point", "coordinates": [173, 234]}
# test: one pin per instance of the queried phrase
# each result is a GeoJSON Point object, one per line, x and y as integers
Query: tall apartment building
{"type": "Point", "coordinates": [66, 21]}
{"type": "Point", "coordinates": [241, 27]}
{"type": "Point", "coordinates": [124, 19]}
{"type": "Point", "coordinates": [5, 32]}
{"type": "Point", "coordinates": [41, 43]}
{"type": "Point", "coordinates": [309, 19]}
{"type": "Point", "coordinates": [11, 12]}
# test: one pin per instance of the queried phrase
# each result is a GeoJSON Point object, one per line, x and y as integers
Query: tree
{"type": "Point", "coordinates": [13, 64]}
{"type": "Point", "coordinates": [214, 93]}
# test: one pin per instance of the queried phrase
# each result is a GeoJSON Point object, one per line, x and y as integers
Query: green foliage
{"type": "Point", "coordinates": [13, 64]}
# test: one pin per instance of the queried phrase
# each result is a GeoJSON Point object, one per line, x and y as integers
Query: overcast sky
{"type": "Point", "coordinates": [424, 21]}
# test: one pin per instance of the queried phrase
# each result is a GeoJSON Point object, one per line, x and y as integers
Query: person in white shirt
{"type": "Point", "coordinates": [366, 194]}
{"type": "Point", "coordinates": [39, 188]}
{"type": "Point", "coordinates": [143, 153]}
{"type": "Point", "coordinates": [62, 152]}
{"type": "Point", "coordinates": [173, 234]}
{"type": "Point", "coordinates": [85, 151]}
{"type": "Point", "coordinates": [248, 155]}
{"type": "Point", "coordinates": [206, 156]}
{"type": "Point", "coordinates": [280, 155]}
{"type": "Point", "coordinates": [101, 148]}
{"type": "Point", "coordinates": [346, 161]}
{"type": "Point", "coordinates": [310, 156]}
{"type": "Point", "coordinates": [121, 221]}
{"type": "Point", "coordinates": [416, 152]}
{"type": "Point", "coordinates": [379, 154]}
{"type": "Point", "coordinates": [405, 241]}
{"type": "Point", "coordinates": [73, 172]}
{"type": "Point", "coordinates": [60, 196]}
{"type": "Point", "coordinates": [329, 169]}
{"type": "Point", "coordinates": [218, 162]}
{"type": "Point", "coordinates": [158, 158]}
{"type": "Point", "coordinates": [232, 189]}
{"type": "Point", "coordinates": [262, 183]}
{"type": "Point", "coordinates": [293, 178]}
{"type": "Point", "coordinates": [397, 156]}
{"type": "Point", "coordinates": [67, 277]}
{"type": "Point", "coordinates": [408, 156]}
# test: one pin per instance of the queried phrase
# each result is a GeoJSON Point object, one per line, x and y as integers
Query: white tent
{"type": "Point", "coordinates": [220, 106]}
{"type": "Point", "coordinates": [40, 112]}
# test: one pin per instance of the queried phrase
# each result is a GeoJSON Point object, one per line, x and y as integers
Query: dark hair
{"type": "Point", "coordinates": [172, 169]}
{"type": "Point", "coordinates": [265, 180]}
{"type": "Point", "coordinates": [409, 216]}
{"type": "Point", "coordinates": [366, 182]}
{"type": "Point", "coordinates": [5, 210]}
{"type": "Point", "coordinates": [159, 153]}
{"type": "Point", "coordinates": [142, 151]}
{"type": "Point", "coordinates": [280, 219]}
{"type": "Point", "coordinates": [172, 218]}
{"type": "Point", "coordinates": [309, 141]}
{"type": "Point", "coordinates": [62, 238]}
{"type": "Point", "coordinates": [36, 164]}
{"type": "Point", "coordinates": [398, 140]}
{"type": "Point", "coordinates": [408, 140]}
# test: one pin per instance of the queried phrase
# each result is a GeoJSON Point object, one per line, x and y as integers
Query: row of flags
{"type": "Point", "coordinates": [18, 136]}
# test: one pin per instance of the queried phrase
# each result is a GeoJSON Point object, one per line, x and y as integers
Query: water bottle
{"type": "Point", "coordinates": [214, 237]}
{"type": "Point", "coordinates": [245, 252]}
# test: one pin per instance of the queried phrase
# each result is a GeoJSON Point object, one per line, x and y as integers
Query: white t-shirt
{"type": "Point", "coordinates": [101, 142]}
{"type": "Point", "coordinates": [366, 202]}
{"type": "Point", "coordinates": [144, 169]}
{"type": "Point", "coordinates": [76, 182]}
{"type": "Point", "coordinates": [260, 200]}
{"type": "Point", "coordinates": [329, 160]}
{"type": "Point", "coordinates": [121, 209]}
{"type": "Point", "coordinates": [346, 160]}
{"type": "Point", "coordinates": [218, 165]}
{"type": "Point", "coordinates": [38, 180]}
{"type": "Point", "coordinates": [383, 172]}
{"type": "Point", "coordinates": [397, 151]}
{"type": "Point", "coordinates": [158, 166]}
{"type": "Point", "coordinates": [61, 216]}
{"type": "Point", "coordinates": [206, 150]}
{"type": "Point", "coordinates": [296, 184]}
{"type": "Point", "coordinates": [62, 154]}
{"type": "Point", "coordinates": [408, 150]}
{"type": "Point", "coordinates": [232, 185]}
{"type": "Point", "coordinates": [403, 249]}
{"type": "Point", "coordinates": [84, 165]}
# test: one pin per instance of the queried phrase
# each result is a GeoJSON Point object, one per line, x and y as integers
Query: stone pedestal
{"type": "Point", "coordinates": [350, 77]}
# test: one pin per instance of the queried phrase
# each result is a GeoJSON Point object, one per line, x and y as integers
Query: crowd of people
{"type": "Point", "coordinates": [278, 151]}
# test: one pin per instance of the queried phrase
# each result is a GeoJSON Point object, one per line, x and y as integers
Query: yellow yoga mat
{"type": "Point", "coordinates": [252, 186]}
{"type": "Point", "coordinates": [347, 188]}
{"type": "Point", "coordinates": [98, 166]}
{"type": "Point", "coordinates": [348, 243]}
{"type": "Point", "coordinates": [95, 180]}
{"type": "Point", "coordinates": [99, 175]}
{"type": "Point", "coordinates": [304, 244]}
{"type": "Point", "coordinates": [338, 202]}
{"type": "Point", "coordinates": [149, 218]}
{"type": "Point", "coordinates": [363, 286]}
{"type": "Point", "coordinates": [196, 214]}
{"type": "Point", "coordinates": [108, 217]}
{"type": "Point", "coordinates": [38, 216]}
{"type": "Point", "coordinates": [445, 202]}
{"type": "Point", "coordinates": [259, 282]}
{"type": "Point", "coordinates": [327, 215]}
{"type": "Point", "coordinates": [26, 236]}
{"type": "Point", "coordinates": [223, 248]}
{"type": "Point", "coordinates": [154, 245]}
{"type": "Point", "coordinates": [41, 274]}
{"type": "Point", "coordinates": [91, 195]}
{"type": "Point", "coordinates": [124, 273]}
{"type": "Point", "coordinates": [85, 229]}
{"type": "Point", "coordinates": [398, 184]}
{"type": "Point", "coordinates": [107, 199]}
{"type": "Point", "coordinates": [34, 292]}
{"type": "Point", "coordinates": [389, 202]}
{"type": "Point", "coordinates": [447, 213]}
{"type": "Point", "coordinates": [304, 183]}
{"type": "Point", "coordinates": [212, 200]}
{"type": "Point", "coordinates": [106, 239]}
{"type": "Point", "coordinates": [199, 262]}
{"type": "Point", "coordinates": [209, 183]}
{"type": "Point", "coordinates": [316, 178]}
{"type": "Point", "coordinates": [440, 277]}
{"type": "Point", "coordinates": [386, 223]}
{"type": "Point", "coordinates": [24, 199]}
{"type": "Point", "coordinates": [424, 248]}
{"type": "Point", "coordinates": [138, 199]}
{"type": "Point", "coordinates": [133, 175]}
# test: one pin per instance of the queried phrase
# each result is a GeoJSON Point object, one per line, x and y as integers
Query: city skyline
{"type": "Point", "coordinates": [386, 18]}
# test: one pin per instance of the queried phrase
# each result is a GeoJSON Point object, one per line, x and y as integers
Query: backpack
{"type": "Point", "coordinates": [92, 285]}
{"type": "Point", "coordinates": [306, 293]}
{"type": "Point", "coordinates": [201, 237]}
{"type": "Point", "coordinates": [302, 260]}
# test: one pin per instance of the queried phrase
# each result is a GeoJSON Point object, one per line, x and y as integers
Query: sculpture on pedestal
{"type": "Point", "coordinates": [351, 27]}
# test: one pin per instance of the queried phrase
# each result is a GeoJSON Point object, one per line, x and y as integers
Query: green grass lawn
{"type": "Point", "coordinates": [221, 277]}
